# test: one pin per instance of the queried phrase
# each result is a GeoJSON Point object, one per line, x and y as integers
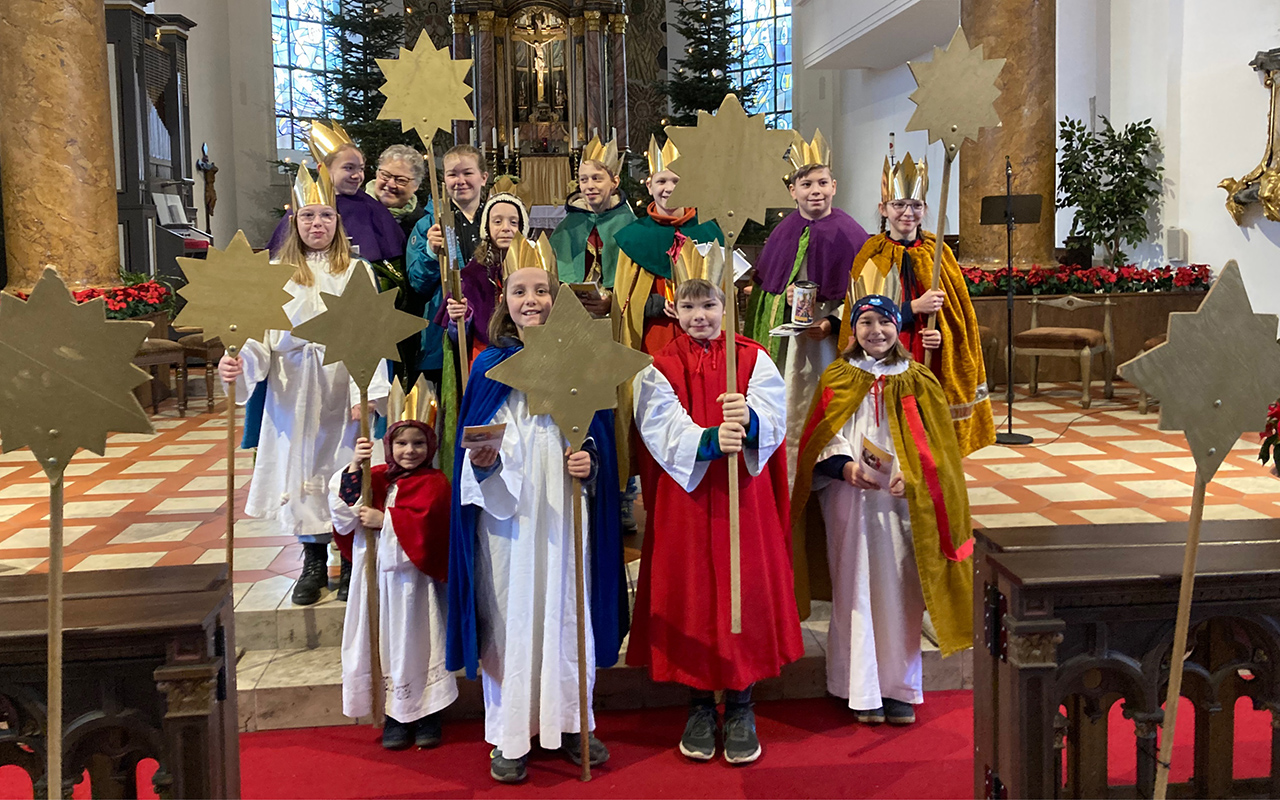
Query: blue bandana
{"type": "Point", "coordinates": [878, 303]}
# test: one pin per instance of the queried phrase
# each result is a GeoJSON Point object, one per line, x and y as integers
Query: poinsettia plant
{"type": "Point", "coordinates": [1087, 280]}
{"type": "Point", "coordinates": [139, 297]}
{"type": "Point", "coordinates": [1270, 434]}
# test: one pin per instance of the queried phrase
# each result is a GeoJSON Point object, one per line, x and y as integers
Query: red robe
{"type": "Point", "coordinates": [680, 628]}
{"type": "Point", "coordinates": [420, 517]}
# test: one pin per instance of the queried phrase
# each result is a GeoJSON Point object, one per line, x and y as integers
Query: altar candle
{"type": "Point", "coordinates": [595, 133]}
{"type": "Point", "coordinates": [506, 152]}
{"type": "Point", "coordinates": [614, 136]}
{"type": "Point", "coordinates": [573, 141]}
{"type": "Point", "coordinates": [495, 140]}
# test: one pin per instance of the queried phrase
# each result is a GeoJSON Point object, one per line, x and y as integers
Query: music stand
{"type": "Point", "coordinates": [1008, 210]}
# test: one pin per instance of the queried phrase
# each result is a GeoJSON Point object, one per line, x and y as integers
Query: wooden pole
{"type": "Point", "coordinates": [232, 351]}
{"type": "Point", "coordinates": [371, 574]}
{"type": "Point", "coordinates": [53, 742]}
{"type": "Point", "coordinates": [442, 258]}
{"type": "Point", "coordinates": [1179, 647]}
{"type": "Point", "coordinates": [580, 574]}
{"type": "Point", "coordinates": [730, 325]}
{"type": "Point", "coordinates": [939, 244]}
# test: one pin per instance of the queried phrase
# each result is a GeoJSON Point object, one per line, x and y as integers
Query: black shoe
{"type": "Point", "coordinates": [396, 735]}
{"type": "Point", "coordinates": [741, 746]}
{"type": "Point", "coordinates": [427, 731]}
{"type": "Point", "coordinates": [344, 579]}
{"type": "Point", "coordinates": [871, 716]}
{"type": "Point", "coordinates": [508, 770]}
{"type": "Point", "coordinates": [315, 574]}
{"type": "Point", "coordinates": [699, 740]}
{"type": "Point", "coordinates": [898, 712]}
{"type": "Point", "coordinates": [629, 527]}
{"type": "Point", "coordinates": [571, 744]}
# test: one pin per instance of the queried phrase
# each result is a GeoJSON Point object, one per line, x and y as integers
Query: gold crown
{"type": "Point", "coordinates": [325, 140]}
{"type": "Point", "coordinates": [310, 192]}
{"type": "Point", "coordinates": [661, 158]}
{"type": "Point", "coordinates": [690, 264]}
{"type": "Point", "coordinates": [420, 405]}
{"type": "Point", "coordinates": [523, 254]}
{"type": "Point", "coordinates": [909, 180]}
{"type": "Point", "coordinates": [605, 154]}
{"type": "Point", "coordinates": [809, 154]}
{"type": "Point", "coordinates": [504, 185]}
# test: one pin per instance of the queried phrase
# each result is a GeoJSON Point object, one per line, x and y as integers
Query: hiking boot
{"type": "Point", "coordinates": [699, 740]}
{"type": "Point", "coordinates": [741, 746]}
{"type": "Point", "coordinates": [571, 744]}
{"type": "Point", "coordinates": [508, 770]}
{"type": "Point", "coordinates": [898, 712]}
{"type": "Point", "coordinates": [871, 716]}
{"type": "Point", "coordinates": [427, 731]}
{"type": "Point", "coordinates": [315, 574]}
{"type": "Point", "coordinates": [396, 735]}
{"type": "Point", "coordinates": [344, 580]}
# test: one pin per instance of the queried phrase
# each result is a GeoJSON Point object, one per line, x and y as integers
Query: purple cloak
{"type": "Point", "coordinates": [368, 223]}
{"type": "Point", "coordinates": [480, 289]}
{"type": "Point", "coordinates": [834, 240]}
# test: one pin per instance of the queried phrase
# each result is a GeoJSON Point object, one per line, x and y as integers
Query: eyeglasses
{"type": "Point", "coordinates": [398, 180]}
{"type": "Point", "coordinates": [902, 205]}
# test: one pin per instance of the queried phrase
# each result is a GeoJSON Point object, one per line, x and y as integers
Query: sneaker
{"type": "Point", "coordinates": [344, 580]}
{"type": "Point", "coordinates": [741, 746]}
{"type": "Point", "coordinates": [873, 716]}
{"type": "Point", "coordinates": [427, 731]}
{"type": "Point", "coordinates": [315, 574]}
{"type": "Point", "coordinates": [508, 770]}
{"type": "Point", "coordinates": [396, 735]}
{"type": "Point", "coordinates": [898, 712]}
{"type": "Point", "coordinates": [629, 527]}
{"type": "Point", "coordinates": [699, 740]}
{"type": "Point", "coordinates": [571, 744]}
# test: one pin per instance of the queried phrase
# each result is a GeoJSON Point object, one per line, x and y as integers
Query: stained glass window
{"type": "Point", "coordinates": [763, 31]}
{"type": "Point", "coordinates": [303, 54]}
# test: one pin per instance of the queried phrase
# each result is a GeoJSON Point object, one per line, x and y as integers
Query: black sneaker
{"type": "Point", "coordinates": [315, 574]}
{"type": "Point", "coordinates": [741, 746]}
{"type": "Point", "coordinates": [571, 744]}
{"type": "Point", "coordinates": [898, 712]}
{"type": "Point", "coordinates": [870, 716]}
{"type": "Point", "coordinates": [396, 735]}
{"type": "Point", "coordinates": [699, 740]}
{"type": "Point", "coordinates": [427, 731]}
{"type": "Point", "coordinates": [344, 580]}
{"type": "Point", "coordinates": [508, 770]}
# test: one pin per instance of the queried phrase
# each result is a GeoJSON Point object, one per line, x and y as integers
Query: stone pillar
{"type": "Point", "coordinates": [577, 80]}
{"type": "Point", "coordinates": [1024, 32]}
{"type": "Point", "coordinates": [57, 149]}
{"type": "Point", "coordinates": [618, 51]}
{"type": "Point", "coordinates": [595, 82]}
{"type": "Point", "coordinates": [485, 80]}
{"type": "Point", "coordinates": [462, 49]}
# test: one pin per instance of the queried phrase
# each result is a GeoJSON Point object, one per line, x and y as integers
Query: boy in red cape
{"type": "Point", "coordinates": [680, 628]}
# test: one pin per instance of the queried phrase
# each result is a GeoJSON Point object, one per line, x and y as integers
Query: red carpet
{"type": "Point", "coordinates": [812, 749]}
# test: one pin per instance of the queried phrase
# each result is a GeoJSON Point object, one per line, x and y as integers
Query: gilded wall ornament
{"type": "Point", "coordinates": [1262, 184]}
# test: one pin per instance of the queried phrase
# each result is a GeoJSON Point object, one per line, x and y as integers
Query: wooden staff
{"type": "Point", "coordinates": [446, 287]}
{"type": "Point", "coordinates": [938, 243]}
{"type": "Point", "coordinates": [232, 351]}
{"type": "Point", "coordinates": [53, 741]}
{"type": "Point", "coordinates": [730, 325]}
{"type": "Point", "coordinates": [1179, 648]}
{"type": "Point", "coordinates": [580, 570]}
{"type": "Point", "coordinates": [371, 573]}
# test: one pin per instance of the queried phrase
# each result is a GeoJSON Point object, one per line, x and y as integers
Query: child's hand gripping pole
{"type": "Point", "coordinates": [371, 574]}
{"type": "Point", "coordinates": [579, 466]}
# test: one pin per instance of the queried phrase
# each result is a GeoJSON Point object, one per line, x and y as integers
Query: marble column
{"type": "Point", "coordinates": [57, 150]}
{"type": "Point", "coordinates": [577, 80]}
{"type": "Point", "coordinates": [1024, 32]}
{"type": "Point", "coordinates": [462, 49]}
{"type": "Point", "coordinates": [595, 82]}
{"type": "Point", "coordinates": [486, 80]}
{"type": "Point", "coordinates": [618, 51]}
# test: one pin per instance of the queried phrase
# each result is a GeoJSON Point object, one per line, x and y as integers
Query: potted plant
{"type": "Point", "coordinates": [1111, 179]}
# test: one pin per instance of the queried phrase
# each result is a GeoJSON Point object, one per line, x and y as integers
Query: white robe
{"type": "Point", "coordinates": [873, 645]}
{"type": "Point", "coordinates": [307, 430]}
{"type": "Point", "coordinates": [411, 625]}
{"type": "Point", "coordinates": [803, 363]}
{"type": "Point", "coordinates": [526, 593]}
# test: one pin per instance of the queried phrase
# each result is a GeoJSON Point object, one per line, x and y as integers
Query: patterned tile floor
{"type": "Point", "coordinates": [157, 499]}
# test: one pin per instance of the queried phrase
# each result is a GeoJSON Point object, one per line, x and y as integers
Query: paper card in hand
{"type": "Point", "coordinates": [477, 437]}
{"type": "Point", "coordinates": [875, 458]}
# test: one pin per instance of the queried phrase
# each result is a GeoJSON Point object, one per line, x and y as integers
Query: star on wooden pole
{"type": "Point", "coordinates": [955, 99]}
{"type": "Point", "coordinates": [1215, 378]}
{"type": "Point", "coordinates": [558, 381]}
{"type": "Point", "coordinates": [66, 381]}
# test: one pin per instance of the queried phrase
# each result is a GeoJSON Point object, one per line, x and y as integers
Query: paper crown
{"type": "Point", "coordinates": [504, 197]}
{"type": "Point", "coordinates": [311, 192]}
{"type": "Point", "coordinates": [523, 254]}
{"type": "Point", "coordinates": [419, 405]}
{"type": "Point", "coordinates": [324, 140]}
{"type": "Point", "coordinates": [809, 154]}
{"type": "Point", "coordinates": [691, 264]}
{"type": "Point", "coordinates": [909, 180]}
{"type": "Point", "coordinates": [660, 158]}
{"type": "Point", "coordinates": [605, 154]}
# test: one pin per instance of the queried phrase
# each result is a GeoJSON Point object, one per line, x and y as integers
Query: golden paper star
{"type": "Point", "coordinates": [66, 374]}
{"type": "Point", "coordinates": [731, 167]}
{"type": "Point", "coordinates": [235, 294]}
{"type": "Point", "coordinates": [1217, 373]}
{"type": "Point", "coordinates": [558, 381]}
{"type": "Point", "coordinates": [425, 88]}
{"type": "Point", "coordinates": [955, 93]}
{"type": "Point", "coordinates": [360, 327]}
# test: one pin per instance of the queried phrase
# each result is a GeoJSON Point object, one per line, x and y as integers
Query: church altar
{"type": "Point", "coordinates": [544, 179]}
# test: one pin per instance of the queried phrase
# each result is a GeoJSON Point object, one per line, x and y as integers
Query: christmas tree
{"type": "Point", "coordinates": [712, 57]}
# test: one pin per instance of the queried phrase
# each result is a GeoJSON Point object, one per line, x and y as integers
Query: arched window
{"type": "Point", "coordinates": [303, 55]}
{"type": "Point", "coordinates": [764, 32]}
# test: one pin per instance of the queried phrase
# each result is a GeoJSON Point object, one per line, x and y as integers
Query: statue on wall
{"type": "Point", "coordinates": [1262, 185]}
{"type": "Point", "coordinates": [209, 173]}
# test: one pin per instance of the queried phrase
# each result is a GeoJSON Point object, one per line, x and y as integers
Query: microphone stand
{"type": "Point", "coordinates": [1009, 437]}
